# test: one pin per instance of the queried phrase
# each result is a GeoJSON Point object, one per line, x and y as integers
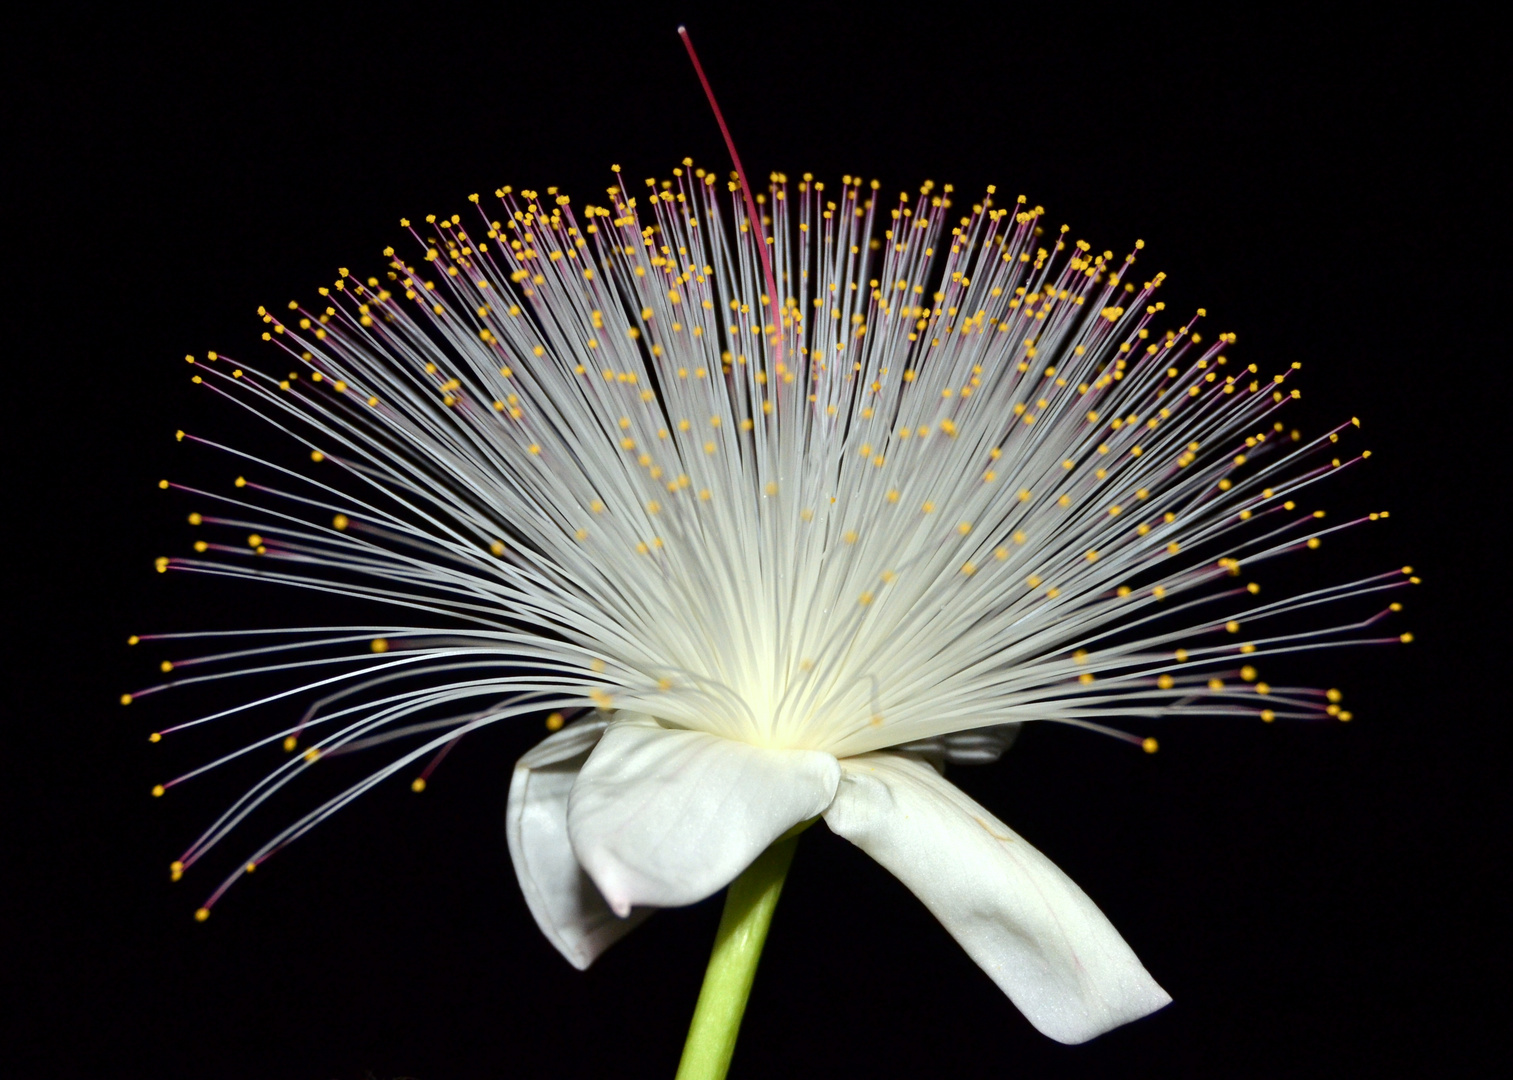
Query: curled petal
{"type": "Point", "coordinates": [1026, 923]}
{"type": "Point", "coordinates": [665, 817]}
{"type": "Point", "coordinates": [567, 907]}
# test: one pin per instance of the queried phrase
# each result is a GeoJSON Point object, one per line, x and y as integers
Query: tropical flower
{"type": "Point", "coordinates": [786, 516]}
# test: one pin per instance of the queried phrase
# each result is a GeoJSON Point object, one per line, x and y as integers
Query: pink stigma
{"type": "Point", "coordinates": [751, 210]}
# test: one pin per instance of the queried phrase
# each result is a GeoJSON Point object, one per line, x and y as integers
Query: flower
{"type": "Point", "coordinates": [795, 513]}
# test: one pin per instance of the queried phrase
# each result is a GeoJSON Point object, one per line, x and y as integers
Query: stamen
{"type": "Point", "coordinates": [960, 480]}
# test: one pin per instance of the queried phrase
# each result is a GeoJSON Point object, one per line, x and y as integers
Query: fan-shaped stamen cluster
{"type": "Point", "coordinates": [965, 482]}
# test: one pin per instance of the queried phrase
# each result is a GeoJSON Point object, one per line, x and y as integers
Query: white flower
{"type": "Point", "coordinates": [798, 536]}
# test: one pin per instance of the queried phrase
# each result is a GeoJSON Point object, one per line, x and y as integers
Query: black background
{"type": "Point", "coordinates": [1317, 899]}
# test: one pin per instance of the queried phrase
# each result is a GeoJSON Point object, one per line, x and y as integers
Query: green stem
{"type": "Point", "coordinates": [732, 966]}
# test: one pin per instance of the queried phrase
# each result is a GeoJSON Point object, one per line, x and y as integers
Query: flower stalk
{"type": "Point", "coordinates": [749, 904]}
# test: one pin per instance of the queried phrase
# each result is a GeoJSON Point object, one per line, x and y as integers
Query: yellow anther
{"type": "Point", "coordinates": [497, 547]}
{"type": "Point", "coordinates": [865, 599]}
{"type": "Point", "coordinates": [202, 914]}
{"type": "Point", "coordinates": [1165, 682]}
{"type": "Point", "coordinates": [312, 754]}
{"type": "Point", "coordinates": [379, 645]}
{"type": "Point", "coordinates": [1313, 542]}
{"type": "Point", "coordinates": [157, 790]}
{"type": "Point", "coordinates": [1267, 715]}
{"type": "Point", "coordinates": [166, 666]}
{"type": "Point", "coordinates": [1248, 673]}
{"type": "Point", "coordinates": [1149, 745]}
{"type": "Point", "coordinates": [1263, 688]}
{"type": "Point", "coordinates": [1333, 695]}
{"type": "Point", "coordinates": [161, 563]}
{"type": "Point", "coordinates": [125, 699]}
{"type": "Point", "coordinates": [771, 488]}
{"type": "Point", "coordinates": [1232, 626]}
{"type": "Point", "coordinates": [1086, 678]}
{"type": "Point", "coordinates": [1181, 655]}
{"type": "Point", "coordinates": [290, 742]}
{"type": "Point", "coordinates": [1405, 638]}
{"type": "Point", "coordinates": [1159, 592]}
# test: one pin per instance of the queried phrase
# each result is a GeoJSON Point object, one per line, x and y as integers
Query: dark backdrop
{"type": "Point", "coordinates": [1318, 899]}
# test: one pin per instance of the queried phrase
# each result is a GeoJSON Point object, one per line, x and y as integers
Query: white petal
{"type": "Point", "coordinates": [1026, 923]}
{"type": "Point", "coordinates": [567, 907]}
{"type": "Point", "coordinates": [665, 817]}
{"type": "Point", "coordinates": [979, 746]}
